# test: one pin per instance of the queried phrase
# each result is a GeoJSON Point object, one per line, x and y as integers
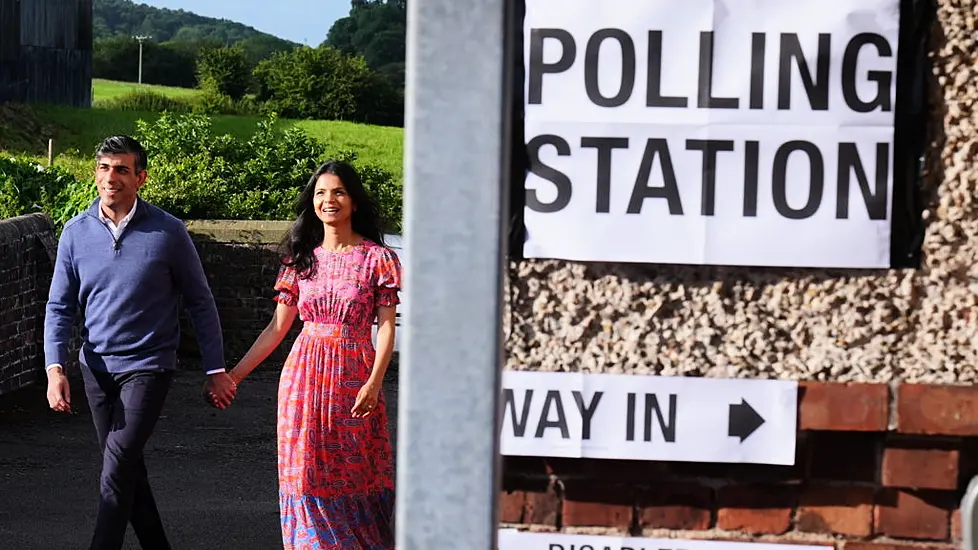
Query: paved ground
{"type": "Point", "coordinates": [213, 472]}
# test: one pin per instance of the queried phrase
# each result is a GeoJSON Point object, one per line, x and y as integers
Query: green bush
{"type": "Point", "coordinates": [323, 83]}
{"type": "Point", "coordinates": [248, 105]}
{"type": "Point", "coordinates": [148, 101]}
{"type": "Point", "coordinates": [224, 71]}
{"type": "Point", "coordinates": [27, 187]}
{"type": "Point", "coordinates": [211, 102]}
{"type": "Point", "coordinates": [196, 174]}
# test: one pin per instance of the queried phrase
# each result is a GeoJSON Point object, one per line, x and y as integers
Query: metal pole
{"type": "Point", "coordinates": [455, 199]}
{"type": "Point", "coordinates": [969, 513]}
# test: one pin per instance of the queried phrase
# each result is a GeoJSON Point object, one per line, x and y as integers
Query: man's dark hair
{"type": "Point", "coordinates": [121, 145]}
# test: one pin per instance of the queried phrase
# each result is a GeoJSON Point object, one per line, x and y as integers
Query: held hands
{"type": "Point", "coordinates": [220, 390]}
{"type": "Point", "coordinates": [59, 392]}
{"type": "Point", "coordinates": [367, 399]}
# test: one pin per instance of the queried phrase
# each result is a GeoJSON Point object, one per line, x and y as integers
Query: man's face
{"type": "Point", "coordinates": [117, 180]}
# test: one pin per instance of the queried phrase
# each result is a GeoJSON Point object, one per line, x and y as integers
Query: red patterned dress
{"type": "Point", "coordinates": [336, 487]}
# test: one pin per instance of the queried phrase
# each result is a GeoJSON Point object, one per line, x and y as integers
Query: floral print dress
{"type": "Point", "coordinates": [336, 487]}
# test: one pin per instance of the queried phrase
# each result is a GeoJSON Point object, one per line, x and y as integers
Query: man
{"type": "Point", "coordinates": [124, 264]}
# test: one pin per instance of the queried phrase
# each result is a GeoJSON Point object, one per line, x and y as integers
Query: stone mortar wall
{"type": "Point", "coordinates": [877, 467]}
{"type": "Point", "coordinates": [916, 325]}
{"type": "Point", "coordinates": [27, 249]}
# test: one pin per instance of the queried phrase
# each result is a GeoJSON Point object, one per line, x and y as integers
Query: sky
{"type": "Point", "coordinates": [302, 21]}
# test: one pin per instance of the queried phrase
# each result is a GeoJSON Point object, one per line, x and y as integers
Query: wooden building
{"type": "Point", "coordinates": [46, 51]}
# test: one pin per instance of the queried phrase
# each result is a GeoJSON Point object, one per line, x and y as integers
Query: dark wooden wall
{"type": "Point", "coordinates": [46, 51]}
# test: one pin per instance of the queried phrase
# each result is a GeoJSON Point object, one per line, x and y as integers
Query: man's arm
{"type": "Point", "coordinates": [59, 317]}
{"type": "Point", "coordinates": [61, 308]}
{"type": "Point", "coordinates": [192, 283]}
{"type": "Point", "coordinates": [190, 280]}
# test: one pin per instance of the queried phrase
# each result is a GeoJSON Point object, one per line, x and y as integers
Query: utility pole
{"type": "Point", "coordinates": [141, 38]}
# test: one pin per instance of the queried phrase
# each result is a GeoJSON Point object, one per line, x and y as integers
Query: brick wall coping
{"type": "Point", "coordinates": [257, 232]}
{"type": "Point", "coordinates": [28, 224]}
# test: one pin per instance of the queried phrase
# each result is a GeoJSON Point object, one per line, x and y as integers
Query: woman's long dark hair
{"type": "Point", "coordinates": [307, 232]}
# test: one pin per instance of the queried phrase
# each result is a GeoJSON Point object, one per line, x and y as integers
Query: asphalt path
{"type": "Point", "coordinates": [213, 472]}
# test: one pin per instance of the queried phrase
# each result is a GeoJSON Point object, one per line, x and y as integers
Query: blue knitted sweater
{"type": "Point", "coordinates": [128, 292]}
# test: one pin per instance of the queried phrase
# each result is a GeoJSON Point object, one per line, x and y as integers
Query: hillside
{"type": "Point", "coordinates": [114, 18]}
{"type": "Point", "coordinates": [177, 36]}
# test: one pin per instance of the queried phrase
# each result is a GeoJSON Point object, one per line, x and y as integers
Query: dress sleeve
{"type": "Point", "coordinates": [287, 286]}
{"type": "Point", "coordinates": [388, 279]}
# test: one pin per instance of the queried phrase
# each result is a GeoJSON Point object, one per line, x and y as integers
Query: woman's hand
{"type": "Point", "coordinates": [367, 399]}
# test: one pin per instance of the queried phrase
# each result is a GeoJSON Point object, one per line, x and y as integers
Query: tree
{"type": "Point", "coordinates": [224, 71]}
{"type": "Point", "coordinates": [323, 83]}
{"type": "Point", "coordinates": [168, 64]}
{"type": "Point", "coordinates": [375, 29]}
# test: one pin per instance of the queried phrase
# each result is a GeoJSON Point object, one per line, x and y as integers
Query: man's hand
{"type": "Point", "coordinates": [59, 391]}
{"type": "Point", "coordinates": [220, 390]}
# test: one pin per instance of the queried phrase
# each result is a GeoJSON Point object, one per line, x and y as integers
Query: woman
{"type": "Point", "coordinates": [336, 486]}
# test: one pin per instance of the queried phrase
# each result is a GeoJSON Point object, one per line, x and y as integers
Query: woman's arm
{"type": "Point", "coordinates": [386, 317]}
{"type": "Point", "coordinates": [267, 341]}
{"type": "Point", "coordinates": [369, 393]}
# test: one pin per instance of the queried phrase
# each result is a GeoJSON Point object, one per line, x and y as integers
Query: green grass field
{"type": "Point", "coordinates": [76, 132]}
{"type": "Point", "coordinates": [104, 90]}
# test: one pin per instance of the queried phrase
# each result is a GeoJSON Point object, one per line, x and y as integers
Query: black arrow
{"type": "Point", "coordinates": [744, 420]}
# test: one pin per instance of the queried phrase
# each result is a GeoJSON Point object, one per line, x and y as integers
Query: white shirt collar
{"type": "Point", "coordinates": [125, 220]}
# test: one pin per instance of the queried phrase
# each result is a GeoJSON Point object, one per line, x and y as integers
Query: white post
{"type": "Point", "coordinates": [140, 39]}
{"type": "Point", "coordinates": [455, 204]}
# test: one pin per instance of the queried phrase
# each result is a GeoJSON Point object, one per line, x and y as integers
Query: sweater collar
{"type": "Point", "coordinates": [139, 209]}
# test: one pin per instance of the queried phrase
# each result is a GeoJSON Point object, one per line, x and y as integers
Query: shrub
{"type": "Point", "coordinates": [248, 105]}
{"type": "Point", "coordinates": [27, 187]}
{"type": "Point", "coordinates": [210, 102]}
{"type": "Point", "coordinates": [148, 101]}
{"type": "Point", "coordinates": [197, 174]}
{"type": "Point", "coordinates": [207, 102]}
{"type": "Point", "coordinates": [224, 71]}
{"type": "Point", "coordinates": [323, 83]}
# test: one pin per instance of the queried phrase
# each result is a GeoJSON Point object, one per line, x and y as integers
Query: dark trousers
{"type": "Point", "coordinates": [125, 408]}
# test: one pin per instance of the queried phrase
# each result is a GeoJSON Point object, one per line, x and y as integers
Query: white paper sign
{"type": "Point", "coordinates": [723, 132]}
{"type": "Point", "coordinates": [520, 540]}
{"type": "Point", "coordinates": [577, 415]}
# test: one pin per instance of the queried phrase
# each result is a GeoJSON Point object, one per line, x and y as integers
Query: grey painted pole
{"type": "Point", "coordinates": [455, 200]}
{"type": "Point", "coordinates": [969, 515]}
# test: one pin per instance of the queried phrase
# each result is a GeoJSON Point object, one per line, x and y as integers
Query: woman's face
{"type": "Point", "coordinates": [332, 203]}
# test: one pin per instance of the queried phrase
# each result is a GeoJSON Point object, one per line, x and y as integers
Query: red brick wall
{"type": "Point", "coordinates": [877, 467]}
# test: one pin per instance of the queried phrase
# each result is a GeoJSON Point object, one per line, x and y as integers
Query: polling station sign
{"type": "Point", "coordinates": [718, 132]}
